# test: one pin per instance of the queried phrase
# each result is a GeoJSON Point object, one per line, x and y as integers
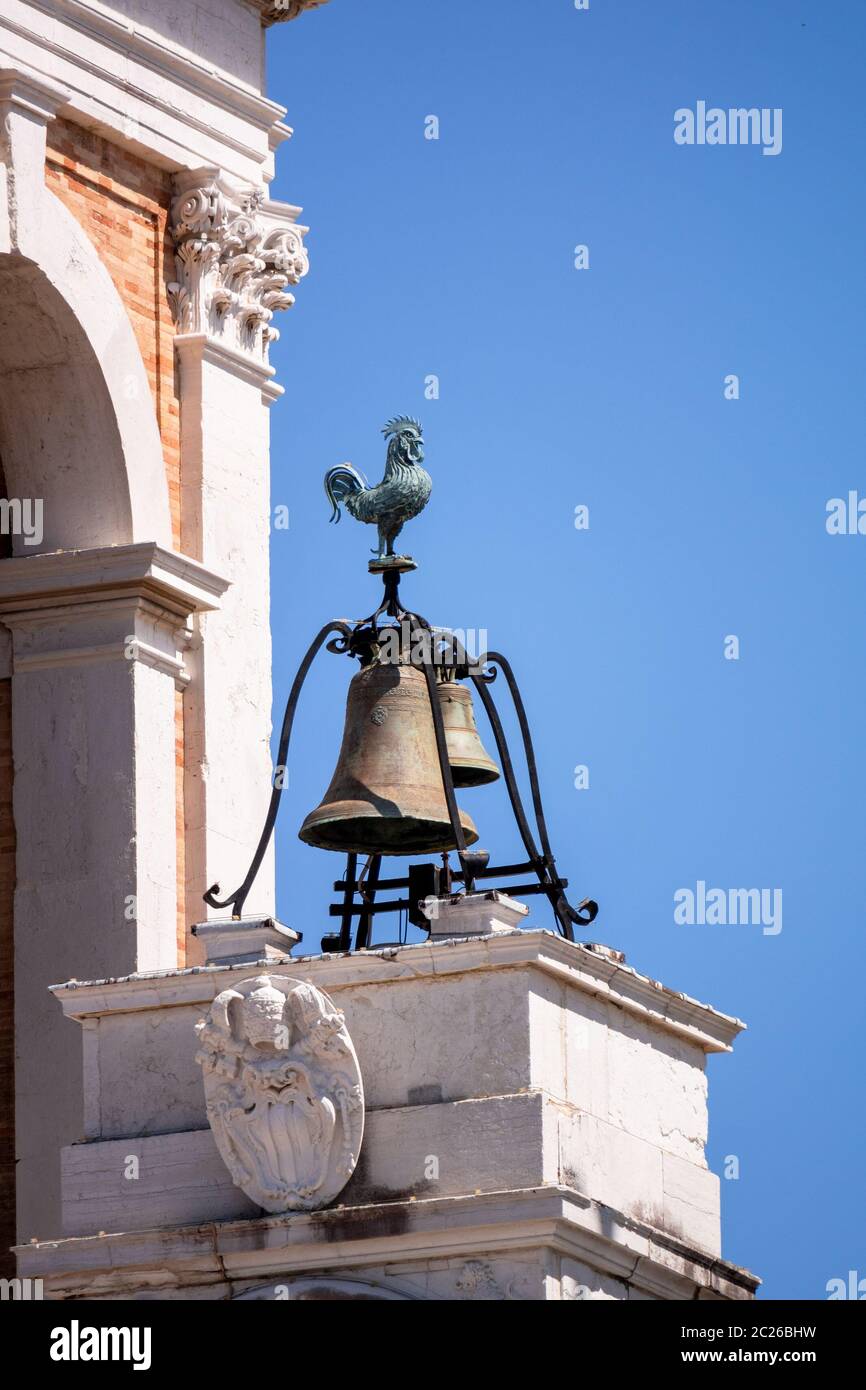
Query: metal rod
{"type": "Point", "coordinates": [369, 893]}
{"type": "Point", "coordinates": [345, 911]}
{"type": "Point", "coordinates": [491, 871]}
{"type": "Point", "coordinates": [237, 899]}
{"type": "Point", "coordinates": [543, 868]}
{"type": "Point", "coordinates": [499, 660]}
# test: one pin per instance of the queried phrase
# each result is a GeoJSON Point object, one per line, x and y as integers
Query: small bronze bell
{"type": "Point", "coordinates": [471, 764]}
{"type": "Point", "coordinates": [386, 794]}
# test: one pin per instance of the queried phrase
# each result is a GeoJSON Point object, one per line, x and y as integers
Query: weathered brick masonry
{"type": "Point", "coordinates": [123, 205]}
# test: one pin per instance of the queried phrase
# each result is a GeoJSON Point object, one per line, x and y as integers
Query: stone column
{"type": "Point", "coordinates": [236, 255]}
{"type": "Point", "coordinates": [97, 653]}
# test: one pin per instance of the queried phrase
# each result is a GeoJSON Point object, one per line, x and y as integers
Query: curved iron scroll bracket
{"type": "Point", "coordinates": [468, 861]}
{"type": "Point", "coordinates": [544, 863]}
{"type": "Point", "coordinates": [237, 899]}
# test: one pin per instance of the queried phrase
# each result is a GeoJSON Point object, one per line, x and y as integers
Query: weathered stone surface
{"type": "Point", "coordinates": [499, 1072]}
{"type": "Point", "coordinates": [417, 1151]}
{"type": "Point", "coordinates": [558, 1023]}
{"type": "Point", "coordinates": [229, 942]}
{"type": "Point", "coordinates": [512, 1246]}
{"type": "Point", "coordinates": [473, 914]}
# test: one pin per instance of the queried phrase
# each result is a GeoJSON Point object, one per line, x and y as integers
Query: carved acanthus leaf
{"type": "Point", "coordinates": [235, 255]}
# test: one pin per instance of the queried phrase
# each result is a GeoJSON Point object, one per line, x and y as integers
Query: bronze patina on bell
{"type": "Point", "coordinates": [471, 764]}
{"type": "Point", "coordinates": [386, 794]}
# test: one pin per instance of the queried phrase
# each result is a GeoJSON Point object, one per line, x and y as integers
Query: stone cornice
{"type": "Point", "coordinates": [62, 579]}
{"type": "Point", "coordinates": [235, 254]}
{"type": "Point", "coordinates": [277, 11]}
{"type": "Point", "coordinates": [262, 1248]}
{"type": "Point", "coordinates": [196, 348]}
{"type": "Point", "coordinates": [572, 964]}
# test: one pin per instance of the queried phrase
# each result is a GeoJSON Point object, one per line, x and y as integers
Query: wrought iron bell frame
{"type": "Point", "coordinates": [363, 640]}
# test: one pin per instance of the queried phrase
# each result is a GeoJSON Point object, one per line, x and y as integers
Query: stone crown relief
{"type": "Point", "coordinates": [235, 253]}
{"type": "Point", "coordinates": [283, 1089]}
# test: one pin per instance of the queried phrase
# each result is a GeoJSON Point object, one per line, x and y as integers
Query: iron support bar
{"type": "Point", "coordinates": [237, 899]}
{"type": "Point", "coordinates": [368, 892]}
{"type": "Point", "coordinates": [492, 871]}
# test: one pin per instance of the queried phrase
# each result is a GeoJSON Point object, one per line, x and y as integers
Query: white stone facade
{"type": "Point", "coordinates": [109, 616]}
{"type": "Point", "coordinates": [534, 1112]}
{"type": "Point", "coordinates": [536, 1122]}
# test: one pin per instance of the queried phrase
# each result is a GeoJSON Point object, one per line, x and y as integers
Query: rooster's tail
{"type": "Point", "coordinates": [342, 482]}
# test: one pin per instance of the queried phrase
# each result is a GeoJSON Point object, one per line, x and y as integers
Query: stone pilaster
{"type": "Point", "coordinates": [98, 641]}
{"type": "Point", "coordinates": [237, 254]}
{"type": "Point", "coordinates": [536, 1116]}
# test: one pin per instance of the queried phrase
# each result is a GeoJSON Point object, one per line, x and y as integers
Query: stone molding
{"type": "Point", "coordinates": [304, 1288]}
{"type": "Point", "coordinates": [136, 601]}
{"type": "Point", "coordinates": [32, 93]}
{"type": "Point", "coordinates": [616, 982]}
{"type": "Point", "coordinates": [195, 349]}
{"type": "Point", "coordinates": [65, 578]}
{"type": "Point", "coordinates": [129, 69]}
{"type": "Point", "coordinates": [235, 254]}
{"type": "Point", "coordinates": [483, 1144]}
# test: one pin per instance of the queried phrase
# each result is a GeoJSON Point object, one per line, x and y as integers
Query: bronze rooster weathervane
{"type": "Point", "coordinates": [402, 494]}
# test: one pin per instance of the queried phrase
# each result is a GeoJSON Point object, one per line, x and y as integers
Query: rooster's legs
{"type": "Point", "coordinates": [386, 544]}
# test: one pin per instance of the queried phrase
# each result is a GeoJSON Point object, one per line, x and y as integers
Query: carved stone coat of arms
{"type": "Point", "coordinates": [283, 1089]}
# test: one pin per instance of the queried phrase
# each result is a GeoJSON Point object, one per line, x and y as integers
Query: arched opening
{"type": "Point", "coordinates": [82, 469]}
{"type": "Point", "coordinates": [59, 438]}
{"type": "Point", "coordinates": [78, 427]}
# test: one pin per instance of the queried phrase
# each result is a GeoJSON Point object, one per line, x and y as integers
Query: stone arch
{"type": "Point", "coordinates": [62, 432]}
{"type": "Point", "coordinates": [77, 421]}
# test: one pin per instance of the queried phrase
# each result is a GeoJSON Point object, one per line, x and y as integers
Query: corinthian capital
{"type": "Point", "coordinates": [235, 254]}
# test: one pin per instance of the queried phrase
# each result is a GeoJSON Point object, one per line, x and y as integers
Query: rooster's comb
{"type": "Point", "coordinates": [401, 422]}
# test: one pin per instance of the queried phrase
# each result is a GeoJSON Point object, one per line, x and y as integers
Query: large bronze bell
{"type": "Point", "coordinates": [386, 794]}
{"type": "Point", "coordinates": [471, 764]}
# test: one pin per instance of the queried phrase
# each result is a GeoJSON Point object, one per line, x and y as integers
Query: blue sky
{"type": "Point", "coordinates": [605, 388]}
